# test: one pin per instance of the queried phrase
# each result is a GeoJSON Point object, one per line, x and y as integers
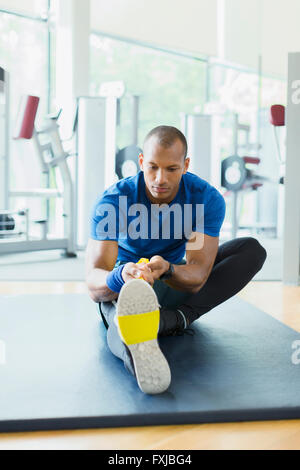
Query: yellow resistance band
{"type": "Point", "coordinates": [143, 260]}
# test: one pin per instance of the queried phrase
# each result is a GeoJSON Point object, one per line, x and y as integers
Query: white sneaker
{"type": "Point", "coordinates": [137, 319]}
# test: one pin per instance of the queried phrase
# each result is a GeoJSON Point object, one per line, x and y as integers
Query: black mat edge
{"type": "Point", "coordinates": [224, 416]}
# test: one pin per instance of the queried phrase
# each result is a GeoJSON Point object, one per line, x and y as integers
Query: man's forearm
{"type": "Point", "coordinates": [98, 290]}
{"type": "Point", "coordinates": [188, 278]}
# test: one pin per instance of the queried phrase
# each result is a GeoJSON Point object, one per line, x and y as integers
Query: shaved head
{"type": "Point", "coordinates": [166, 136]}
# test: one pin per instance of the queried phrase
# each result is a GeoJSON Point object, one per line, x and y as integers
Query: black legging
{"type": "Point", "coordinates": [237, 262]}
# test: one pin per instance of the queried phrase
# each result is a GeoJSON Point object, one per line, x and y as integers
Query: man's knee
{"type": "Point", "coordinates": [256, 252]}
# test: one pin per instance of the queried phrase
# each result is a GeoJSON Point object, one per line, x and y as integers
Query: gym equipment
{"type": "Point", "coordinates": [11, 227]}
{"type": "Point", "coordinates": [100, 163]}
{"type": "Point", "coordinates": [126, 159]}
{"type": "Point", "coordinates": [237, 177]}
{"type": "Point", "coordinates": [277, 115]}
{"type": "Point", "coordinates": [51, 155]}
{"type": "Point", "coordinates": [7, 223]}
{"type": "Point", "coordinates": [202, 132]}
{"type": "Point", "coordinates": [58, 373]}
{"type": "Point", "coordinates": [277, 119]}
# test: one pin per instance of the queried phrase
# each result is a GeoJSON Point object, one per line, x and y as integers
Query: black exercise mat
{"type": "Point", "coordinates": [59, 373]}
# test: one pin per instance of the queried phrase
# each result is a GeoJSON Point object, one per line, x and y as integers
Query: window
{"type": "Point", "coordinates": [245, 94]}
{"type": "Point", "coordinates": [24, 54]}
{"type": "Point", "coordinates": [168, 84]}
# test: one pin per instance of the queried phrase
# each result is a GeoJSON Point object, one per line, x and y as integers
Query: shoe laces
{"type": "Point", "coordinates": [178, 332]}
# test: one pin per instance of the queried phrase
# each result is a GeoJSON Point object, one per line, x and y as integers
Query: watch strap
{"type": "Point", "coordinates": [168, 274]}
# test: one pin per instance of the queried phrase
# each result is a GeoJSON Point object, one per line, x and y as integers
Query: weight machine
{"type": "Point", "coordinates": [51, 154]}
{"type": "Point", "coordinates": [277, 119]}
{"type": "Point", "coordinates": [237, 174]}
{"type": "Point", "coordinates": [202, 132]}
{"type": "Point", "coordinates": [240, 175]}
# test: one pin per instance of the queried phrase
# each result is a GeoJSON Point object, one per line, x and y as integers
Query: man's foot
{"type": "Point", "coordinates": [137, 319]}
{"type": "Point", "coordinates": [174, 322]}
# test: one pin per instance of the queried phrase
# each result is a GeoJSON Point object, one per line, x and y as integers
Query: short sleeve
{"type": "Point", "coordinates": [214, 214]}
{"type": "Point", "coordinates": [104, 218]}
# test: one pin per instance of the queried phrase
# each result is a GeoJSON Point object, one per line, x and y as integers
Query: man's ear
{"type": "Point", "coordinates": [186, 165]}
{"type": "Point", "coordinates": [141, 161]}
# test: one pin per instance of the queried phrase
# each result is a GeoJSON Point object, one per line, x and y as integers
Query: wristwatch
{"type": "Point", "coordinates": [168, 274]}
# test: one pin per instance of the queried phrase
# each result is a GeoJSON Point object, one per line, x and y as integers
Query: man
{"type": "Point", "coordinates": [173, 218]}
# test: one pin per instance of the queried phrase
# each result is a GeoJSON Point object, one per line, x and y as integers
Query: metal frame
{"type": "Point", "coordinates": [59, 160]}
{"type": "Point", "coordinates": [155, 47]}
{"type": "Point", "coordinates": [200, 131]}
{"type": "Point", "coordinates": [23, 16]}
{"type": "Point", "coordinates": [38, 19]}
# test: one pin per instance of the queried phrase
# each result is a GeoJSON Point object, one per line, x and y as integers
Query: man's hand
{"type": "Point", "coordinates": [136, 271]}
{"type": "Point", "coordinates": [158, 265]}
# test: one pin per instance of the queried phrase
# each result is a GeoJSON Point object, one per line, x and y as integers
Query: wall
{"type": "Point", "coordinates": [189, 25]}
{"type": "Point", "coordinates": [29, 7]}
{"type": "Point", "coordinates": [266, 27]}
{"type": "Point", "coordinates": [281, 34]}
{"type": "Point", "coordinates": [249, 27]}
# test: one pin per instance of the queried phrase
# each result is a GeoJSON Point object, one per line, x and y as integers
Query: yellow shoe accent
{"type": "Point", "coordinates": [135, 329]}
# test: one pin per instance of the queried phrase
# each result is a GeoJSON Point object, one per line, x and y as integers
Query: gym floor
{"type": "Point", "coordinates": [280, 301]}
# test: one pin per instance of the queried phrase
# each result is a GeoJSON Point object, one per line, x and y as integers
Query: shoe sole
{"type": "Point", "coordinates": [137, 319]}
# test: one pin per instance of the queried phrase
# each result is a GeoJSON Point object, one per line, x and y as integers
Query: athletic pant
{"type": "Point", "coordinates": [237, 262]}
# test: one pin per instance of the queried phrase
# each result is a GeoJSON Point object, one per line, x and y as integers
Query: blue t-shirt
{"type": "Point", "coordinates": [123, 213]}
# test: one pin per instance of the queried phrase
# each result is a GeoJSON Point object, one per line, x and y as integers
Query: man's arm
{"type": "Point", "coordinates": [101, 258]}
{"type": "Point", "coordinates": [192, 276]}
